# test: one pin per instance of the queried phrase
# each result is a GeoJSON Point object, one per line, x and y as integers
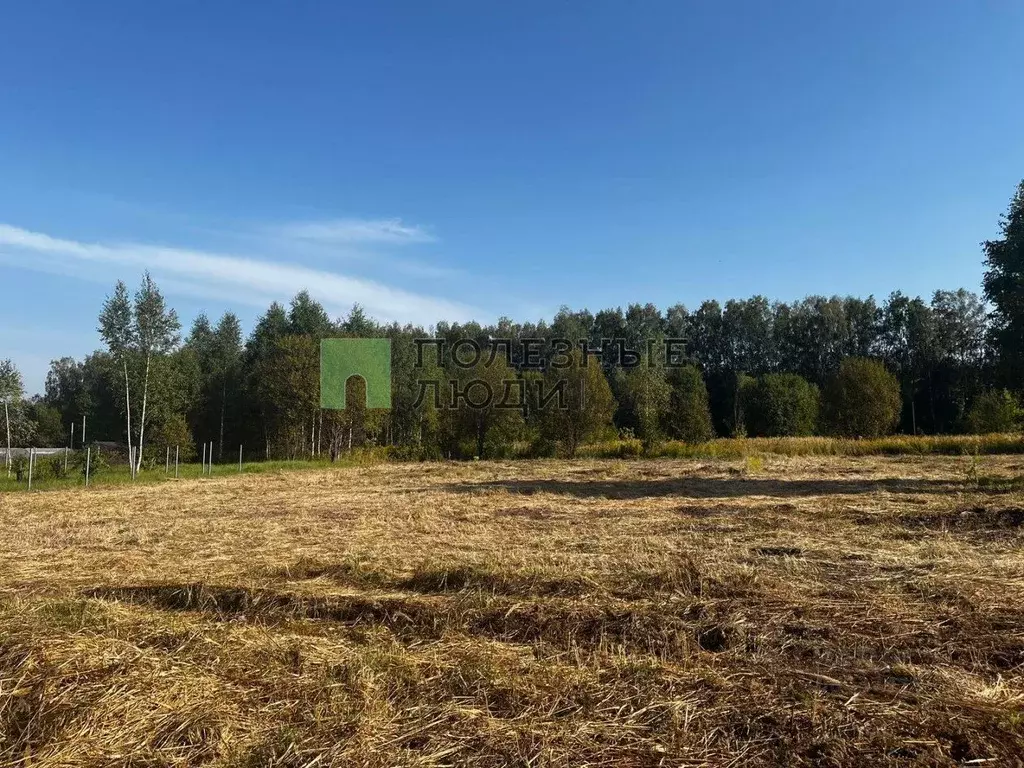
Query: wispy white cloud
{"type": "Point", "coordinates": [352, 231]}
{"type": "Point", "coordinates": [231, 277]}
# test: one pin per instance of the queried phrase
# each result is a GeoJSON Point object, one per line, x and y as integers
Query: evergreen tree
{"type": "Point", "coordinates": [1004, 288]}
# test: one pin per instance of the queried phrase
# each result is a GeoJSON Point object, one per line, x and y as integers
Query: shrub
{"type": "Point", "coordinates": [425, 452]}
{"type": "Point", "coordinates": [862, 399]}
{"type": "Point", "coordinates": [996, 411]}
{"type": "Point", "coordinates": [630, 449]}
{"type": "Point", "coordinates": [97, 463]}
{"type": "Point", "coordinates": [56, 467]}
{"type": "Point", "coordinates": [689, 417]}
{"type": "Point", "coordinates": [19, 466]}
{"type": "Point", "coordinates": [782, 405]}
{"type": "Point", "coordinates": [498, 445]}
{"type": "Point", "coordinates": [542, 448]}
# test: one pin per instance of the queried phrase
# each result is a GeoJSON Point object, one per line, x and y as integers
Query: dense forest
{"type": "Point", "coordinates": [820, 365]}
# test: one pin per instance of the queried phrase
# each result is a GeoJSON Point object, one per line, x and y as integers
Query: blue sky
{"type": "Point", "coordinates": [449, 160]}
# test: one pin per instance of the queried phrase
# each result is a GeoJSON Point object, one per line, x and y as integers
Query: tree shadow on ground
{"type": "Point", "coordinates": [709, 487]}
{"type": "Point", "coordinates": [571, 624]}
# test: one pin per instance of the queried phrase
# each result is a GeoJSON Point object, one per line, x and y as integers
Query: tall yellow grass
{"type": "Point", "coordinates": [896, 445]}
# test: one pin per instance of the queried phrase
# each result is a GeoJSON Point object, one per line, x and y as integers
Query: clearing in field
{"type": "Point", "coordinates": [799, 611]}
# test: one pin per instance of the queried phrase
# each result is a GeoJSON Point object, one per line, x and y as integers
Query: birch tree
{"type": "Point", "coordinates": [136, 332]}
{"type": "Point", "coordinates": [649, 397]}
{"type": "Point", "coordinates": [117, 330]}
{"type": "Point", "coordinates": [156, 334]}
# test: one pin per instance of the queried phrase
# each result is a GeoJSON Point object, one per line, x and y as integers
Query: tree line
{"type": "Point", "coordinates": [821, 365]}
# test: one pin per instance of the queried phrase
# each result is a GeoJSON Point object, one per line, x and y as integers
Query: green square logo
{"type": "Point", "coordinates": [341, 359]}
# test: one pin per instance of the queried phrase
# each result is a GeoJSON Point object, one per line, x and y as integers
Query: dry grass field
{"type": "Point", "coordinates": [776, 611]}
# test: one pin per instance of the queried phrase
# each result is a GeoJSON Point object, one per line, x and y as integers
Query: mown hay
{"type": "Point", "coordinates": [814, 611]}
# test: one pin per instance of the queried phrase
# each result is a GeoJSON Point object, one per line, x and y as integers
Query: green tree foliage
{"type": "Point", "coordinates": [1004, 288]}
{"type": "Point", "coordinates": [358, 326]}
{"type": "Point", "coordinates": [259, 416]}
{"type": "Point", "coordinates": [688, 417]}
{"type": "Point", "coordinates": [218, 353]}
{"type": "Point", "coordinates": [68, 391]}
{"type": "Point", "coordinates": [307, 317]}
{"type": "Point", "coordinates": [49, 431]}
{"type": "Point", "coordinates": [12, 386]}
{"type": "Point", "coordinates": [104, 415]}
{"type": "Point", "coordinates": [909, 346]}
{"type": "Point", "coordinates": [357, 425]}
{"type": "Point", "coordinates": [962, 363]}
{"type": "Point", "coordinates": [477, 425]}
{"type": "Point", "coordinates": [117, 330]}
{"type": "Point", "coordinates": [137, 333]}
{"type": "Point", "coordinates": [588, 402]}
{"type": "Point", "coordinates": [289, 388]}
{"type": "Point", "coordinates": [156, 334]}
{"type": "Point", "coordinates": [643, 323]}
{"type": "Point", "coordinates": [781, 405]}
{"type": "Point", "coordinates": [18, 427]}
{"type": "Point", "coordinates": [648, 395]}
{"type": "Point", "coordinates": [862, 399]}
{"type": "Point", "coordinates": [995, 411]}
{"type": "Point", "coordinates": [175, 434]}
{"type": "Point", "coordinates": [747, 332]}
{"type": "Point", "coordinates": [264, 394]}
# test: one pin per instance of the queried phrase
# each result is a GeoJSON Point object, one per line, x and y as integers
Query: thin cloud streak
{"type": "Point", "coordinates": [381, 231]}
{"type": "Point", "coordinates": [238, 278]}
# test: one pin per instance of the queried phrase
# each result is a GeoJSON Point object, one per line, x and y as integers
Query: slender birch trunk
{"type": "Point", "coordinates": [142, 423]}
